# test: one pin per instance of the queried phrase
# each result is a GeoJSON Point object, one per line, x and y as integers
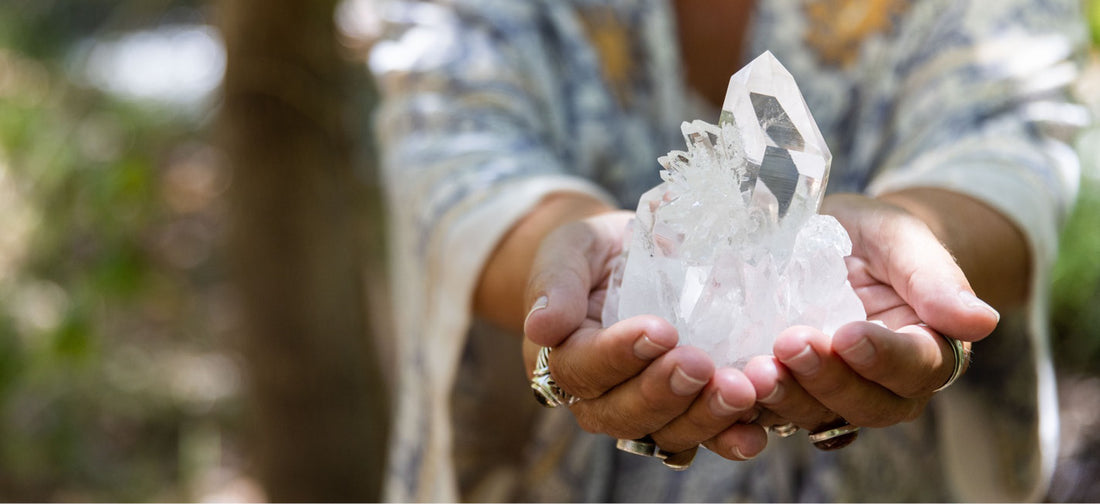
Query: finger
{"type": "Point", "coordinates": [729, 397]}
{"type": "Point", "coordinates": [785, 399]}
{"type": "Point", "coordinates": [769, 419]}
{"type": "Point", "coordinates": [903, 252]}
{"type": "Point", "coordinates": [593, 360]}
{"type": "Point", "coordinates": [645, 403]}
{"type": "Point", "coordinates": [739, 441]}
{"type": "Point", "coordinates": [911, 362]}
{"type": "Point", "coordinates": [807, 354]}
{"type": "Point", "coordinates": [567, 267]}
{"type": "Point", "coordinates": [880, 300]}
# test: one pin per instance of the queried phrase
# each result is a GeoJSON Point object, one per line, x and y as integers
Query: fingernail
{"type": "Point", "coordinates": [969, 299]}
{"type": "Point", "coordinates": [805, 363]}
{"type": "Point", "coordinates": [684, 385]}
{"type": "Point", "coordinates": [540, 303]}
{"type": "Point", "coordinates": [720, 407]}
{"type": "Point", "coordinates": [742, 456]}
{"type": "Point", "coordinates": [775, 396]}
{"type": "Point", "coordinates": [753, 445]}
{"type": "Point", "coordinates": [646, 349]}
{"type": "Point", "coordinates": [862, 353]}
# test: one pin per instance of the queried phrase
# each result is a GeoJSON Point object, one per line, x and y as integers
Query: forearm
{"type": "Point", "coordinates": [498, 297]}
{"type": "Point", "coordinates": [988, 247]}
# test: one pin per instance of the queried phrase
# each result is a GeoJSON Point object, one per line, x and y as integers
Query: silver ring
{"type": "Point", "coordinates": [961, 359]}
{"type": "Point", "coordinates": [836, 437]}
{"type": "Point", "coordinates": [547, 391]}
{"type": "Point", "coordinates": [836, 432]}
{"type": "Point", "coordinates": [785, 430]}
{"type": "Point", "coordinates": [643, 446]}
{"type": "Point", "coordinates": [646, 447]}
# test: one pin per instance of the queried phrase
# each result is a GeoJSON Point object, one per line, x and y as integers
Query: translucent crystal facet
{"type": "Point", "coordinates": [730, 248]}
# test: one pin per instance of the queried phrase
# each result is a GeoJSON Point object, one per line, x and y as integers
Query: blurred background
{"type": "Point", "coordinates": [187, 192]}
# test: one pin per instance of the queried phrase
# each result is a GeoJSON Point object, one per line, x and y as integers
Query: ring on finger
{"type": "Point", "coordinates": [786, 430]}
{"type": "Point", "coordinates": [647, 447]}
{"type": "Point", "coordinates": [547, 391]}
{"type": "Point", "coordinates": [834, 438]}
{"type": "Point", "coordinates": [962, 359]}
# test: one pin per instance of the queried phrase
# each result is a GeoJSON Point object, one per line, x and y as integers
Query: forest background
{"type": "Point", "coordinates": [192, 256]}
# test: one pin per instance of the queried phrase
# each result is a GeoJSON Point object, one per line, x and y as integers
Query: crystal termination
{"type": "Point", "coordinates": [730, 248]}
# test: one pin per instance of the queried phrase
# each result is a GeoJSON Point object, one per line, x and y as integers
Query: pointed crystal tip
{"type": "Point", "coordinates": [789, 161]}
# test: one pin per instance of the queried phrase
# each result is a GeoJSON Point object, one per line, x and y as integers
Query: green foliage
{"type": "Point", "coordinates": [1093, 13]}
{"type": "Point", "coordinates": [112, 303]}
{"type": "Point", "coordinates": [47, 29]}
{"type": "Point", "coordinates": [1076, 276]}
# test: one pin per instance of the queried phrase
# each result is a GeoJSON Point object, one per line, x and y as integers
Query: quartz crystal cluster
{"type": "Point", "coordinates": [730, 247]}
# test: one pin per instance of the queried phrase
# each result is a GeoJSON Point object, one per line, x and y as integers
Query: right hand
{"type": "Point", "coordinates": [633, 378]}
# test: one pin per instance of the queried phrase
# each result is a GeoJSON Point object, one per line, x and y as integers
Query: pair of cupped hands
{"type": "Point", "coordinates": [634, 380]}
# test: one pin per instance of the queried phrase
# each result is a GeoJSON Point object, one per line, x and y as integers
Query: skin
{"type": "Point", "coordinates": [702, 25]}
{"type": "Point", "coordinates": [635, 381]}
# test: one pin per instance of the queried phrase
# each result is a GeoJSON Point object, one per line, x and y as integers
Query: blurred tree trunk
{"type": "Point", "coordinates": [318, 424]}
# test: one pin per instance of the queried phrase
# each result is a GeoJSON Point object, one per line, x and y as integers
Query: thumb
{"type": "Point", "coordinates": [927, 277]}
{"type": "Point", "coordinates": [902, 251]}
{"type": "Point", "coordinates": [569, 264]}
{"type": "Point", "coordinates": [949, 305]}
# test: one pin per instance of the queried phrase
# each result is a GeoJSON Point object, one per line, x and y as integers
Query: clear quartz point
{"type": "Point", "coordinates": [787, 156]}
{"type": "Point", "coordinates": [730, 248]}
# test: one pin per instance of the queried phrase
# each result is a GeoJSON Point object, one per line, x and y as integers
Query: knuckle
{"type": "Point", "coordinates": [599, 418]}
{"type": "Point", "coordinates": [701, 423]}
{"type": "Point", "coordinates": [652, 398]}
{"type": "Point", "coordinates": [622, 428]}
{"type": "Point", "coordinates": [574, 380]}
{"type": "Point", "coordinates": [587, 421]}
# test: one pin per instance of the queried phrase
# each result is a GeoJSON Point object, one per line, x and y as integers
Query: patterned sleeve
{"type": "Point", "coordinates": [466, 114]}
{"type": "Point", "coordinates": [469, 145]}
{"type": "Point", "coordinates": [975, 100]}
{"type": "Point", "coordinates": [980, 106]}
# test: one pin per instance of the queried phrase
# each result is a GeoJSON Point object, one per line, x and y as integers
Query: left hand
{"type": "Point", "coordinates": [868, 374]}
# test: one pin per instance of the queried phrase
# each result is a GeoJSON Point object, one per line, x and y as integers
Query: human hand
{"type": "Point", "coordinates": [633, 378]}
{"type": "Point", "coordinates": [869, 374]}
